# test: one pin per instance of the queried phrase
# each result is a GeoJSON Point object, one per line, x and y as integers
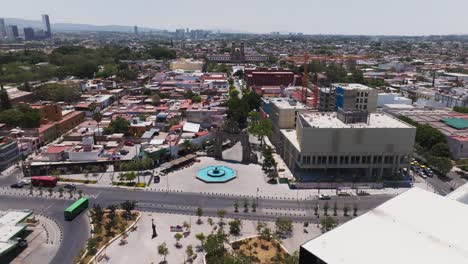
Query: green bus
{"type": "Point", "coordinates": [76, 208]}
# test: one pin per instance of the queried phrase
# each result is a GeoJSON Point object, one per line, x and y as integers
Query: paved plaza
{"type": "Point", "coordinates": [141, 248]}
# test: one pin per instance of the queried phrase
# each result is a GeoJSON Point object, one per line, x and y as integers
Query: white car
{"type": "Point", "coordinates": [25, 181]}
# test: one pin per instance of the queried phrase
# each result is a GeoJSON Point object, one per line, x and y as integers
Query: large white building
{"type": "Point", "coordinates": [351, 145]}
{"type": "Point", "coordinates": [411, 228]}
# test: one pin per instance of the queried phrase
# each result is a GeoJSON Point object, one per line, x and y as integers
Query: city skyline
{"type": "Point", "coordinates": [362, 17]}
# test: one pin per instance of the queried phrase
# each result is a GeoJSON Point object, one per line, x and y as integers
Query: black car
{"type": "Point", "coordinates": [70, 186]}
{"type": "Point", "coordinates": [18, 185]}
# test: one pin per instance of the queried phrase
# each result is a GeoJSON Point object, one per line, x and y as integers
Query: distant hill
{"type": "Point", "coordinates": [73, 27]}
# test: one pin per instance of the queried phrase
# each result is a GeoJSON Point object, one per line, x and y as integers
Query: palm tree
{"type": "Point", "coordinates": [345, 210]}
{"type": "Point", "coordinates": [163, 250]}
{"type": "Point", "coordinates": [97, 117]}
{"type": "Point", "coordinates": [60, 190]}
{"type": "Point", "coordinates": [50, 191]}
{"type": "Point", "coordinates": [335, 209]}
{"type": "Point", "coordinates": [355, 210]}
{"type": "Point", "coordinates": [199, 214]}
{"type": "Point", "coordinates": [187, 146]}
{"type": "Point", "coordinates": [80, 192]}
{"type": "Point", "coordinates": [236, 207]}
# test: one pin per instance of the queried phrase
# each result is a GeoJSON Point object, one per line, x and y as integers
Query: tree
{"type": "Point", "coordinates": [199, 213]}
{"type": "Point", "coordinates": [440, 150]}
{"type": "Point", "coordinates": [214, 245]}
{"type": "Point", "coordinates": [291, 259]}
{"type": "Point", "coordinates": [428, 136]}
{"type": "Point", "coordinates": [328, 223]}
{"type": "Point", "coordinates": [187, 146]}
{"type": "Point", "coordinates": [235, 227]}
{"type": "Point", "coordinates": [355, 209]}
{"type": "Point", "coordinates": [22, 116]}
{"type": "Point", "coordinates": [60, 190]}
{"type": "Point", "coordinates": [283, 226]}
{"type": "Point", "coordinates": [260, 226]}
{"type": "Point", "coordinates": [155, 99]}
{"type": "Point", "coordinates": [189, 251]}
{"type": "Point", "coordinates": [269, 163]}
{"type": "Point", "coordinates": [443, 165]}
{"type": "Point", "coordinates": [246, 206]}
{"type": "Point", "coordinates": [236, 207]}
{"type": "Point", "coordinates": [266, 234]}
{"type": "Point", "coordinates": [91, 246]}
{"type": "Point", "coordinates": [316, 209]}
{"type": "Point", "coordinates": [5, 102]}
{"type": "Point", "coordinates": [80, 193]}
{"type": "Point", "coordinates": [335, 209]}
{"type": "Point", "coordinates": [57, 93]}
{"type": "Point", "coordinates": [128, 206]}
{"type": "Point", "coordinates": [259, 126]}
{"type": "Point", "coordinates": [118, 125]}
{"type": "Point", "coordinates": [163, 250]}
{"type": "Point", "coordinates": [201, 237]}
{"type": "Point", "coordinates": [178, 237]}
{"type": "Point", "coordinates": [97, 117]}
{"type": "Point", "coordinates": [325, 208]}
{"type": "Point", "coordinates": [50, 191]}
{"type": "Point", "coordinates": [254, 206]}
{"type": "Point", "coordinates": [210, 221]}
{"type": "Point", "coordinates": [345, 210]}
{"type": "Point", "coordinates": [221, 213]}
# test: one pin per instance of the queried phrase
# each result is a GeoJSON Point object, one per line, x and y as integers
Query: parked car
{"type": "Point", "coordinates": [124, 152]}
{"type": "Point", "coordinates": [18, 185]}
{"type": "Point", "coordinates": [324, 197]}
{"type": "Point", "coordinates": [70, 186]}
{"type": "Point", "coordinates": [129, 143]}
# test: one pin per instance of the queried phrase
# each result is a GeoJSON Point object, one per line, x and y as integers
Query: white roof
{"type": "Point", "coordinates": [414, 227]}
{"type": "Point", "coordinates": [330, 120]}
{"type": "Point", "coordinates": [191, 127]}
{"type": "Point", "coordinates": [157, 141]}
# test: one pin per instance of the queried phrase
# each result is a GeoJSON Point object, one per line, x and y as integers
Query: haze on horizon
{"type": "Point", "coordinates": [356, 17]}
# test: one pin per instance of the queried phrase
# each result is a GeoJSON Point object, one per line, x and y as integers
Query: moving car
{"type": "Point", "coordinates": [324, 197]}
{"type": "Point", "coordinates": [70, 186]}
{"type": "Point", "coordinates": [18, 185]}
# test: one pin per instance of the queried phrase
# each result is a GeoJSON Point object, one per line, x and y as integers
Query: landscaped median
{"type": "Point", "coordinates": [77, 180]}
{"type": "Point", "coordinates": [108, 225]}
{"type": "Point", "coordinates": [129, 184]}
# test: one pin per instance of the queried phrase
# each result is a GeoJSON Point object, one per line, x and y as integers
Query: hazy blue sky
{"type": "Point", "coordinates": [408, 17]}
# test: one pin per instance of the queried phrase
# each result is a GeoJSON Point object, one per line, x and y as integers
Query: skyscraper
{"type": "Point", "coordinates": [12, 32]}
{"type": "Point", "coordinates": [29, 33]}
{"type": "Point", "coordinates": [46, 25]}
{"type": "Point", "coordinates": [2, 29]}
{"type": "Point", "coordinates": [135, 30]}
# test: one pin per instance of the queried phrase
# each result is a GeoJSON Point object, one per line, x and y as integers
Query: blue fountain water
{"type": "Point", "coordinates": [216, 174]}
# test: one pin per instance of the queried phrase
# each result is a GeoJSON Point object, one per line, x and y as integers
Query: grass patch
{"type": "Point", "coordinates": [141, 184]}
{"type": "Point", "coordinates": [122, 183]}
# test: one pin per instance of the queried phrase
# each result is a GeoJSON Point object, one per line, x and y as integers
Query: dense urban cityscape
{"type": "Point", "coordinates": [127, 144]}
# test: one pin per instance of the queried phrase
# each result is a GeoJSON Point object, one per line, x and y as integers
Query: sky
{"type": "Point", "coordinates": [355, 17]}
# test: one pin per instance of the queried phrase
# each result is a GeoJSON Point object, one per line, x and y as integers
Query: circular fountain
{"type": "Point", "coordinates": [216, 174]}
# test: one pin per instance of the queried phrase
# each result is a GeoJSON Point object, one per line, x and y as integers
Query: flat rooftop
{"type": "Point", "coordinates": [285, 103]}
{"type": "Point", "coordinates": [330, 120]}
{"type": "Point", "coordinates": [10, 227]}
{"type": "Point", "coordinates": [410, 228]}
{"type": "Point", "coordinates": [352, 86]}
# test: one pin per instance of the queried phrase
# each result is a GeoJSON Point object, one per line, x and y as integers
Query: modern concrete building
{"type": "Point", "coordinates": [350, 145]}
{"type": "Point", "coordinates": [9, 152]}
{"type": "Point", "coordinates": [12, 32]}
{"type": "Point", "coordinates": [406, 229]}
{"type": "Point", "coordinates": [28, 33]}
{"type": "Point", "coordinates": [11, 227]}
{"type": "Point", "coordinates": [355, 96]}
{"type": "Point", "coordinates": [283, 113]}
{"type": "Point", "coordinates": [2, 29]}
{"type": "Point", "coordinates": [46, 26]}
{"type": "Point", "coordinates": [327, 99]}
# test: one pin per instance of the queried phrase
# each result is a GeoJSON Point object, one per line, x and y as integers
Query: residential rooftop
{"type": "Point", "coordinates": [285, 103]}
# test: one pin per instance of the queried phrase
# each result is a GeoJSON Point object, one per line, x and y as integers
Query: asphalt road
{"type": "Point", "coordinates": [75, 233]}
